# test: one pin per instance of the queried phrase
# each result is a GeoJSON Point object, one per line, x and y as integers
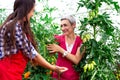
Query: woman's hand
{"type": "Point", "coordinates": [42, 62]}
{"type": "Point", "coordinates": [53, 48]}
{"type": "Point", "coordinates": [60, 69]}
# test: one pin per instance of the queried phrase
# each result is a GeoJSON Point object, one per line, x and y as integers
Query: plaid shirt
{"type": "Point", "coordinates": [27, 49]}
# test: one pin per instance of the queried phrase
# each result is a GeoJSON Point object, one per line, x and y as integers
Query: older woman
{"type": "Point", "coordinates": [68, 49]}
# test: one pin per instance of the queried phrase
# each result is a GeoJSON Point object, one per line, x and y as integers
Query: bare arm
{"type": "Point", "coordinates": [74, 58]}
{"type": "Point", "coordinates": [42, 62]}
{"type": "Point", "coordinates": [26, 46]}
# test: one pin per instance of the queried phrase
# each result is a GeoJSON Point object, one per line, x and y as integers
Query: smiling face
{"type": "Point", "coordinates": [66, 27]}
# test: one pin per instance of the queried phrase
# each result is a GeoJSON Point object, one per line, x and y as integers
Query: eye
{"type": "Point", "coordinates": [64, 25]}
{"type": "Point", "coordinates": [61, 25]}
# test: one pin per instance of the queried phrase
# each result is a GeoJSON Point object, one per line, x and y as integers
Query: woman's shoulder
{"type": "Point", "coordinates": [78, 37]}
{"type": "Point", "coordinates": [58, 35]}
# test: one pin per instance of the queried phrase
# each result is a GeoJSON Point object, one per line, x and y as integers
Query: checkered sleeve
{"type": "Point", "coordinates": [23, 43]}
{"type": "Point", "coordinates": [1, 42]}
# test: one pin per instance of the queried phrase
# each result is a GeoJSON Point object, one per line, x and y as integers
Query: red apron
{"type": "Point", "coordinates": [12, 67]}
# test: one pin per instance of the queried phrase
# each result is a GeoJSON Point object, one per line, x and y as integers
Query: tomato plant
{"type": "Point", "coordinates": [100, 36]}
{"type": "Point", "coordinates": [44, 30]}
{"type": "Point", "coordinates": [2, 15]}
{"type": "Point", "coordinates": [102, 42]}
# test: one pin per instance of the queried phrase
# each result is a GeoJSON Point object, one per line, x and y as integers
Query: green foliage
{"type": "Point", "coordinates": [95, 4]}
{"type": "Point", "coordinates": [102, 52]}
{"type": "Point", "coordinates": [102, 58]}
{"type": "Point", "coordinates": [2, 15]}
{"type": "Point", "coordinates": [37, 73]}
{"type": "Point", "coordinates": [44, 30]}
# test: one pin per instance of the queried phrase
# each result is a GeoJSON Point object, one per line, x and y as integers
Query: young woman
{"type": "Point", "coordinates": [17, 44]}
{"type": "Point", "coordinates": [68, 49]}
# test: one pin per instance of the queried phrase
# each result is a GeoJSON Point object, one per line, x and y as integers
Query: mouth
{"type": "Point", "coordinates": [64, 31]}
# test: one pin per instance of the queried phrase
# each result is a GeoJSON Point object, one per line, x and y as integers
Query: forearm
{"type": "Point", "coordinates": [74, 58]}
{"type": "Point", "coordinates": [42, 62]}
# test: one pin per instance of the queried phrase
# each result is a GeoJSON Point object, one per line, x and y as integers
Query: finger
{"type": "Point", "coordinates": [57, 69]}
{"type": "Point", "coordinates": [49, 48]}
{"type": "Point", "coordinates": [51, 51]}
{"type": "Point", "coordinates": [48, 45]}
{"type": "Point", "coordinates": [63, 69]}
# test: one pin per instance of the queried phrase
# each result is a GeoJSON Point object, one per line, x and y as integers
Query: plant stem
{"type": "Point", "coordinates": [93, 75]}
{"type": "Point", "coordinates": [44, 50]}
{"type": "Point", "coordinates": [94, 30]}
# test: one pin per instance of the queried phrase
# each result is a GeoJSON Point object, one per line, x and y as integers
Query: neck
{"type": "Point", "coordinates": [71, 36]}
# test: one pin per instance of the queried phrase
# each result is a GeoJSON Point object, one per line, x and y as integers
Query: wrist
{"type": "Point", "coordinates": [65, 53]}
{"type": "Point", "coordinates": [55, 68]}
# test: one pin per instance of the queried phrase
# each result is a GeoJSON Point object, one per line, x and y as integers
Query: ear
{"type": "Point", "coordinates": [74, 25]}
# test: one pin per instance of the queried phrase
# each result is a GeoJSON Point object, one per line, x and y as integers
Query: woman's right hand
{"type": "Point", "coordinates": [53, 48]}
{"type": "Point", "coordinates": [60, 70]}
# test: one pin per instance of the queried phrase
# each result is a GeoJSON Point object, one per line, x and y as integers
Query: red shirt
{"type": "Point", "coordinates": [70, 74]}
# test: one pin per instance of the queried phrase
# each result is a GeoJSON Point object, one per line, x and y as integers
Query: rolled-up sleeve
{"type": "Point", "coordinates": [23, 43]}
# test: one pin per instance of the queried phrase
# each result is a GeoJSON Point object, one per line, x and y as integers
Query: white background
{"type": "Point", "coordinates": [65, 7]}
